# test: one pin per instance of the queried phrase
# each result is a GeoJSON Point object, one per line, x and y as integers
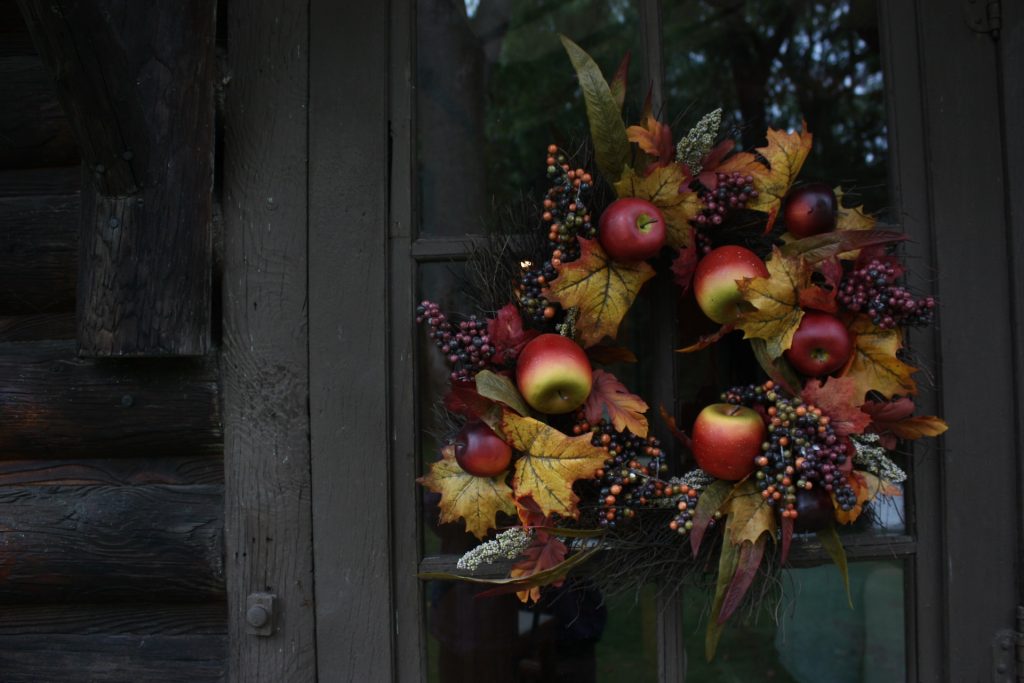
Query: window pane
{"type": "Point", "coordinates": [817, 637]}
{"type": "Point", "coordinates": [494, 88]}
{"type": "Point", "coordinates": [773, 62]}
{"type": "Point", "coordinates": [575, 636]}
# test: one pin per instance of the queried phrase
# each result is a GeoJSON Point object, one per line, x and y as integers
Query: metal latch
{"type": "Point", "coordinates": [259, 614]}
{"type": "Point", "coordinates": [1008, 653]}
{"type": "Point", "coordinates": [984, 16]}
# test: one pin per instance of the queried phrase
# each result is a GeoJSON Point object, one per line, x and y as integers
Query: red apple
{"type": "Point", "coordinates": [632, 229]}
{"type": "Point", "coordinates": [481, 452]}
{"type": "Point", "coordinates": [714, 280]}
{"type": "Point", "coordinates": [814, 510]}
{"type": "Point", "coordinates": [726, 440]}
{"type": "Point", "coordinates": [554, 374]}
{"type": "Point", "coordinates": [821, 345]}
{"type": "Point", "coordinates": [810, 210]}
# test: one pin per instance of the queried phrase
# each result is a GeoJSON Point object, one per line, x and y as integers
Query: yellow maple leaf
{"type": "Point", "coordinates": [550, 463]}
{"type": "Point", "coordinates": [601, 289]}
{"type": "Point", "coordinates": [776, 303]}
{"type": "Point", "coordinates": [477, 500]}
{"type": "Point", "coordinates": [874, 365]}
{"type": "Point", "coordinates": [851, 218]}
{"type": "Point", "coordinates": [749, 514]}
{"type": "Point", "coordinates": [661, 188]}
{"type": "Point", "coordinates": [785, 154]}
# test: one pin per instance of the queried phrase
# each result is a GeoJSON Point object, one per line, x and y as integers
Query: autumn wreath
{"type": "Point", "coordinates": [541, 436]}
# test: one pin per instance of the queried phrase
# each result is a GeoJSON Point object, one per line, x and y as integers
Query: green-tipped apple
{"type": "Point", "coordinates": [632, 229]}
{"type": "Point", "coordinates": [554, 374]}
{"type": "Point", "coordinates": [715, 280]}
{"type": "Point", "coordinates": [821, 345]}
{"type": "Point", "coordinates": [481, 452]}
{"type": "Point", "coordinates": [726, 440]}
{"type": "Point", "coordinates": [810, 209]}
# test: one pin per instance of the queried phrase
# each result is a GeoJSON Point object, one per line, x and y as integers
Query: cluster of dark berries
{"type": "Point", "coordinates": [465, 346]}
{"type": "Point", "coordinates": [704, 244]}
{"type": "Point", "coordinates": [732, 191]}
{"type": "Point", "coordinates": [566, 216]}
{"type": "Point", "coordinates": [802, 450]}
{"type": "Point", "coordinates": [685, 499]}
{"type": "Point", "coordinates": [872, 289]}
{"type": "Point", "coordinates": [629, 479]}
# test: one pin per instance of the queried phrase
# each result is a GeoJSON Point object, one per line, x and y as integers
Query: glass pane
{"type": "Point", "coordinates": [773, 62]}
{"type": "Point", "coordinates": [574, 636]}
{"type": "Point", "coordinates": [817, 637]}
{"type": "Point", "coordinates": [494, 88]}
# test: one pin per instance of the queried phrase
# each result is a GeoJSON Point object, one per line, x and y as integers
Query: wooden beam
{"type": "Point", "coordinates": [265, 356]}
{"type": "Point", "coordinates": [137, 82]}
{"type": "Point", "coordinates": [181, 470]}
{"type": "Point", "coordinates": [55, 404]}
{"type": "Point", "coordinates": [348, 325]}
{"type": "Point", "coordinates": [34, 130]}
{"type": "Point", "coordinates": [111, 543]}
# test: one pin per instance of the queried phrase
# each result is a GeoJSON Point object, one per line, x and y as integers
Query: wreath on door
{"type": "Point", "coordinates": [553, 452]}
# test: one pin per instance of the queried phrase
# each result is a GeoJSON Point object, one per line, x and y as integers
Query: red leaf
{"type": "Point", "coordinates": [507, 335]}
{"type": "Point", "coordinates": [787, 538]}
{"type": "Point", "coordinates": [610, 396]}
{"type": "Point", "coordinates": [819, 298]}
{"type": "Point", "coordinates": [618, 82]}
{"type": "Point", "coordinates": [606, 354]}
{"type": "Point", "coordinates": [707, 340]}
{"type": "Point", "coordinates": [894, 420]}
{"type": "Point", "coordinates": [684, 264]}
{"type": "Point", "coordinates": [746, 569]}
{"type": "Point", "coordinates": [838, 399]}
{"type": "Point", "coordinates": [463, 399]}
{"type": "Point", "coordinates": [676, 431]}
{"type": "Point", "coordinates": [708, 176]}
{"type": "Point", "coordinates": [832, 270]}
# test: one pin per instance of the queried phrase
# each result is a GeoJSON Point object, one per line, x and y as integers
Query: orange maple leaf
{"type": "Point", "coordinates": [775, 302]}
{"type": "Point", "coordinates": [550, 463]}
{"type": "Point", "coordinates": [600, 288]}
{"type": "Point", "coordinates": [867, 487]}
{"type": "Point", "coordinates": [893, 420]}
{"type": "Point", "coordinates": [609, 396]}
{"type": "Point", "coordinates": [662, 187]}
{"type": "Point", "coordinates": [874, 365]}
{"type": "Point", "coordinates": [544, 553]}
{"type": "Point", "coordinates": [654, 138]}
{"type": "Point", "coordinates": [785, 154]}
{"type": "Point", "coordinates": [476, 500]}
{"type": "Point", "coordinates": [838, 398]}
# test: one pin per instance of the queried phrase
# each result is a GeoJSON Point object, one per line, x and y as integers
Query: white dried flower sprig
{"type": "Point", "coordinates": [699, 141]}
{"type": "Point", "coordinates": [507, 545]}
{"type": "Point", "coordinates": [873, 458]}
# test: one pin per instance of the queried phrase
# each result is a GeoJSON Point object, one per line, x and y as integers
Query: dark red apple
{"type": "Point", "coordinates": [726, 440]}
{"type": "Point", "coordinates": [821, 345]}
{"type": "Point", "coordinates": [810, 210]}
{"type": "Point", "coordinates": [632, 229]}
{"type": "Point", "coordinates": [814, 510]}
{"type": "Point", "coordinates": [554, 374]}
{"type": "Point", "coordinates": [481, 452]}
{"type": "Point", "coordinates": [714, 280]}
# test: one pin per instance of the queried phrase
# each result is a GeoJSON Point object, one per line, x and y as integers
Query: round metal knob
{"type": "Point", "coordinates": [257, 616]}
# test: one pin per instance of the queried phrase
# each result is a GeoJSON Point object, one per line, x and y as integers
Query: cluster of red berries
{"type": "Point", "coordinates": [466, 346]}
{"type": "Point", "coordinates": [732, 191]}
{"type": "Point", "coordinates": [872, 289]}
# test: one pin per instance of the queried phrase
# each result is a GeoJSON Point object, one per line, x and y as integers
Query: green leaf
{"type": "Point", "coordinates": [750, 514]}
{"type": "Point", "coordinates": [709, 502]}
{"type": "Point", "coordinates": [778, 369]}
{"type": "Point", "coordinates": [502, 389]}
{"type": "Point", "coordinates": [830, 541]}
{"type": "Point", "coordinates": [510, 585]}
{"type": "Point", "coordinates": [746, 569]}
{"type": "Point", "coordinates": [727, 563]}
{"type": "Point", "coordinates": [618, 84]}
{"type": "Point", "coordinates": [570, 533]}
{"type": "Point", "coordinates": [611, 148]}
{"type": "Point", "coordinates": [820, 247]}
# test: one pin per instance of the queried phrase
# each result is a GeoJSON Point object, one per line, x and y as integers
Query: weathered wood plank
{"type": "Point", "coordinates": [147, 618]}
{"type": "Point", "coordinates": [969, 235]}
{"type": "Point", "coordinates": [14, 37]}
{"type": "Point", "coordinates": [348, 350]}
{"type": "Point", "coordinates": [265, 358]}
{"type": "Point", "coordinates": [180, 471]}
{"type": "Point", "coordinates": [34, 131]}
{"type": "Point", "coordinates": [137, 81]}
{"type": "Point", "coordinates": [39, 254]}
{"type": "Point", "coordinates": [37, 327]}
{"type": "Point", "coordinates": [55, 404]}
{"type": "Point", "coordinates": [111, 543]}
{"type": "Point", "coordinates": [112, 658]}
